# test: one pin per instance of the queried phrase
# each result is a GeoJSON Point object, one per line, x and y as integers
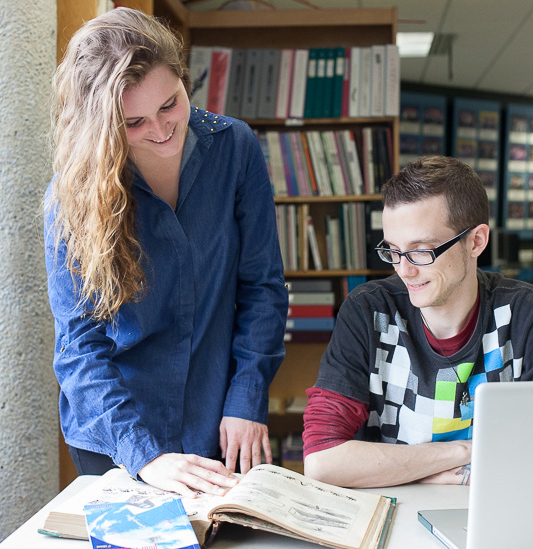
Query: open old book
{"type": "Point", "coordinates": [268, 498]}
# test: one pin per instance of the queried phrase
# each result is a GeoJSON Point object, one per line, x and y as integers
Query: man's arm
{"type": "Point", "coordinates": [358, 464]}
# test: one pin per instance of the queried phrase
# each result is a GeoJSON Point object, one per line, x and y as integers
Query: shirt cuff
{"type": "Point", "coordinates": [247, 402]}
{"type": "Point", "coordinates": [135, 450]}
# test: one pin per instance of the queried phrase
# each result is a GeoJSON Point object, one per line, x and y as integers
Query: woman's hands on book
{"type": "Point", "coordinates": [187, 473]}
{"type": "Point", "coordinates": [247, 438]}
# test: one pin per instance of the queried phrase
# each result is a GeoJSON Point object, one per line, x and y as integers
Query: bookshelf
{"type": "Point", "coordinates": [297, 29]}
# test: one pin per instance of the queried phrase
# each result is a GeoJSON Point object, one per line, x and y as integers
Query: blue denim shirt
{"type": "Point", "coordinates": [207, 339]}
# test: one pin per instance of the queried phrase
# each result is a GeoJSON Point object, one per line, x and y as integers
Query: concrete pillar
{"type": "Point", "coordinates": [29, 462]}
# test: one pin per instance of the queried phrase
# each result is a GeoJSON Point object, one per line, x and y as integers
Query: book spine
{"type": "Point", "coordinates": [392, 80]}
{"type": "Point", "coordinates": [319, 323]}
{"type": "Point", "coordinates": [378, 81]}
{"type": "Point", "coordinates": [284, 83]}
{"type": "Point", "coordinates": [313, 244]}
{"type": "Point", "coordinates": [200, 69]}
{"type": "Point", "coordinates": [218, 82]}
{"type": "Point", "coordinates": [310, 90]}
{"type": "Point", "coordinates": [276, 164]}
{"type": "Point", "coordinates": [327, 107]}
{"type": "Point", "coordinates": [365, 82]}
{"type": "Point", "coordinates": [311, 298]}
{"type": "Point", "coordinates": [252, 72]}
{"type": "Point", "coordinates": [354, 100]}
{"type": "Point", "coordinates": [269, 79]}
{"type": "Point", "coordinates": [345, 106]}
{"type": "Point", "coordinates": [235, 83]}
{"type": "Point", "coordinates": [310, 311]}
{"type": "Point", "coordinates": [338, 79]}
{"type": "Point", "coordinates": [299, 82]}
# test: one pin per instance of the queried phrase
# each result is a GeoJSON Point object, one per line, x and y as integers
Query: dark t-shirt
{"type": "Point", "coordinates": [379, 354]}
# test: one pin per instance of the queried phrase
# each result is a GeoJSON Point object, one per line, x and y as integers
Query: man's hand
{"type": "Point", "coordinates": [185, 473]}
{"type": "Point", "coordinates": [458, 475]}
{"type": "Point", "coordinates": [247, 437]}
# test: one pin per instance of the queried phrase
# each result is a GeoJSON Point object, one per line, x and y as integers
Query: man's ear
{"type": "Point", "coordinates": [481, 239]}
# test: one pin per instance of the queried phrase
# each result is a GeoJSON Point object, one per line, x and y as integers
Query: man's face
{"type": "Point", "coordinates": [423, 225]}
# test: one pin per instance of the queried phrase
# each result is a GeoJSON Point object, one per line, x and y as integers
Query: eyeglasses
{"type": "Point", "coordinates": [417, 257]}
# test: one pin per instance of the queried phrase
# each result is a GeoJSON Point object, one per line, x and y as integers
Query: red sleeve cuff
{"type": "Point", "coordinates": [331, 419]}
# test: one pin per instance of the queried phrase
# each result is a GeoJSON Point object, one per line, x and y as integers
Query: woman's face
{"type": "Point", "coordinates": [157, 113]}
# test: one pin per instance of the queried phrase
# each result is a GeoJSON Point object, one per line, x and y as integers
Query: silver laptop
{"type": "Point", "coordinates": [501, 485]}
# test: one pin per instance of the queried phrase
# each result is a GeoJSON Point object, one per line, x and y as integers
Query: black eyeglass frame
{"type": "Point", "coordinates": [435, 252]}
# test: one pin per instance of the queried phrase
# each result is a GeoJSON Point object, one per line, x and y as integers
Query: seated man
{"type": "Point", "coordinates": [408, 352]}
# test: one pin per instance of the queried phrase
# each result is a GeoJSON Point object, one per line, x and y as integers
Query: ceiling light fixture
{"type": "Point", "coordinates": [414, 44]}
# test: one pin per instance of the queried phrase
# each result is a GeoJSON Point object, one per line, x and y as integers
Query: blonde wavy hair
{"type": "Point", "coordinates": [91, 193]}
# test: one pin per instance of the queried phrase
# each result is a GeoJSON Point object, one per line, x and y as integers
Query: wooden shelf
{"type": "Point", "coordinates": [326, 199]}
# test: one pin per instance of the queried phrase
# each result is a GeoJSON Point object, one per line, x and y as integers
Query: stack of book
{"type": "Point", "coordinates": [347, 237]}
{"type": "Point", "coordinates": [296, 83]}
{"type": "Point", "coordinates": [328, 163]}
{"type": "Point", "coordinates": [311, 311]}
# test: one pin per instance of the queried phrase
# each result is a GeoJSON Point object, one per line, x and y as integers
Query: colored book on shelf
{"type": "Point", "coordinates": [292, 226]}
{"type": "Point", "coordinates": [158, 521]}
{"type": "Point", "coordinates": [345, 102]}
{"type": "Point", "coordinates": [352, 281]}
{"type": "Point", "coordinates": [200, 69]}
{"type": "Point", "coordinates": [284, 83]}
{"type": "Point", "coordinates": [303, 258]}
{"type": "Point", "coordinates": [311, 323]}
{"type": "Point", "coordinates": [310, 89]}
{"type": "Point", "coordinates": [268, 89]}
{"type": "Point", "coordinates": [377, 94]}
{"type": "Point", "coordinates": [327, 101]}
{"type": "Point", "coordinates": [308, 336]}
{"type": "Point", "coordinates": [352, 158]}
{"type": "Point", "coordinates": [255, 503]}
{"type": "Point", "coordinates": [310, 311]}
{"type": "Point", "coordinates": [374, 233]}
{"type": "Point", "coordinates": [392, 80]}
{"type": "Point", "coordinates": [368, 161]}
{"type": "Point", "coordinates": [365, 82]}
{"type": "Point", "coordinates": [320, 86]}
{"type": "Point", "coordinates": [281, 225]}
{"type": "Point", "coordinates": [235, 83]}
{"type": "Point", "coordinates": [298, 85]}
{"type": "Point", "coordinates": [333, 163]}
{"type": "Point", "coordinates": [310, 169]}
{"type": "Point", "coordinates": [288, 164]}
{"type": "Point", "coordinates": [333, 243]}
{"type": "Point", "coordinates": [313, 244]}
{"type": "Point", "coordinates": [338, 80]}
{"type": "Point", "coordinates": [275, 159]}
{"type": "Point", "coordinates": [300, 164]}
{"type": "Point", "coordinates": [219, 79]}
{"type": "Point", "coordinates": [354, 97]}
{"type": "Point", "coordinates": [311, 298]}
{"type": "Point", "coordinates": [318, 159]}
{"type": "Point", "coordinates": [252, 73]}
{"type": "Point", "coordinates": [344, 160]}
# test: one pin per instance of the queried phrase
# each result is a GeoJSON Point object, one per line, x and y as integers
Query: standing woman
{"type": "Point", "coordinates": [164, 272]}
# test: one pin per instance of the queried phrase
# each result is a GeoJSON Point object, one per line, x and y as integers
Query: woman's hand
{"type": "Point", "coordinates": [247, 437]}
{"type": "Point", "coordinates": [187, 473]}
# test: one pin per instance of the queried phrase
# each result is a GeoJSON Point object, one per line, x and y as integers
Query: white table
{"type": "Point", "coordinates": [406, 532]}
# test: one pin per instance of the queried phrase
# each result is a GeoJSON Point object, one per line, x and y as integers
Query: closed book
{"type": "Point", "coordinates": [338, 79]}
{"type": "Point", "coordinates": [277, 170]}
{"type": "Point", "coordinates": [343, 160]}
{"type": "Point", "coordinates": [310, 285]}
{"type": "Point", "coordinates": [268, 89]}
{"type": "Point", "coordinates": [355, 83]}
{"type": "Point", "coordinates": [311, 298]}
{"type": "Point", "coordinates": [298, 85]}
{"type": "Point", "coordinates": [374, 233]}
{"type": "Point", "coordinates": [327, 108]}
{"type": "Point", "coordinates": [352, 159]}
{"type": "Point", "coordinates": [304, 241]}
{"type": "Point", "coordinates": [378, 81]}
{"type": "Point", "coordinates": [368, 161]}
{"type": "Point", "coordinates": [345, 104]}
{"type": "Point", "coordinates": [307, 336]}
{"type": "Point", "coordinates": [313, 244]}
{"type": "Point", "coordinates": [317, 323]}
{"type": "Point", "coordinates": [310, 311]}
{"type": "Point", "coordinates": [365, 83]}
{"type": "Point", "coordinates": [333, 163]}
{"type": "Point", "coordinates": [310, 89]}
{"type": "Point", "coordinates": [333, 242]}
{"type": "Point", "coordinates": [310, 169]}
{"type": "Point", "coordinates": [219, 79]}
{"type": "Point", "coordinates": [235, 83]}
{"type": "Point", "coordinates": [200, 69]}
{"type": "Point", "coordinates": [284, 83]}
{"type": "Point", "coordinates": [320, 86]}
{"type": "Point", "coordinates": [252, 75]}
{"type": "Point", "coordinates": [300, 165]}
{"type": "Point", "coordinates": [318, 159]}
{"type": "Point", "coordinates": [292, 226]}
{"type": "Point", "coordinates": [288, 164]}
{"type": "Point", "coordinates": [392, 80]}
{"type": "Point", "coordinates": [281, 224]}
